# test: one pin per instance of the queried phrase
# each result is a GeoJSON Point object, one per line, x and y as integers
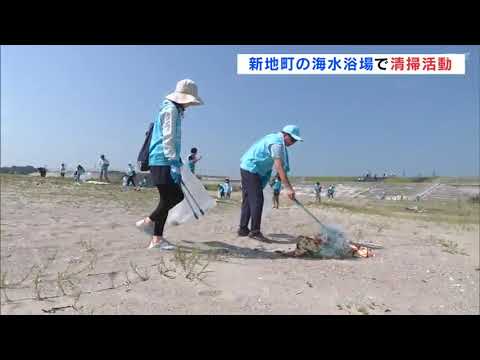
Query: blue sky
{"type": "Point", "coordinates": [72, 103]}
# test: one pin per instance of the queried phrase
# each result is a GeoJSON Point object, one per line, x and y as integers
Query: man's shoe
{"type": "Point", "coordinates": [259, 236]}
{"type": "Point", "coordinates": [243, 232]}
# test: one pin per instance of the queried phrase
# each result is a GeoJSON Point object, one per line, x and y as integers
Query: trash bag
{"type": "Point", "coordinates": [334, 242]}
{"type": "Point", "coordinates": [85, 176]}
{"type": "Point", "coordinates": [196, 194]}
{"type": "Point", "coordinates": [267, 201]}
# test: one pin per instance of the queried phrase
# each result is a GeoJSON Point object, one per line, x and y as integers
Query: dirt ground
{"type": "Point", "coordinates": [74, 249]}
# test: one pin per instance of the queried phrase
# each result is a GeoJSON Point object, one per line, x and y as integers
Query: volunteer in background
{"type": "Point", "coordinates": [277, 187]}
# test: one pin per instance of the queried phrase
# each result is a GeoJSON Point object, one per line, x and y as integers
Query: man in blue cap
{"type": "Point", "coordinates": [256, 167]}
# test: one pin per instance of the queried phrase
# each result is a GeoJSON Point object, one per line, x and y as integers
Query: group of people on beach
{"type": "Point", "coordinates": [256, 167]}
{"type": "Point", "coordinates": [257, 164]}
{"type": "Point", "coordinates": [318, 192]}
{"type": "Point", "coordinates": [103, 164]}
{"type": "Point", "coordinates": [225, 189]}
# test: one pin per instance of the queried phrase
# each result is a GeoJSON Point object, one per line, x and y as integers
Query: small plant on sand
{"type": "Point", "coordinates": [37, 284]}
{"type": "Point", "coordinates": [60, 280]}
{"type": "Point", "coordinates": [164, 270]}
{"type": "Point", "coordinates": [144, 277]}
{"type": "Point", "coordinates": [87, 245]}
{"type": "Point", "coordinates": [189, 262]}
{"type": "Point", "coordinates": [380, 227]}
{"type": "Point", "coordinates": [451, 247]}
{"type": "Point", "coordinates": [181, 257]}
{"type": "Point", "coordinates": [3, 285]}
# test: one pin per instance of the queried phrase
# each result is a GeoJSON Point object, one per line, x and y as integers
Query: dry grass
{"type": "Point", "coordinates": [67, 282]}
{"type": "Point", "coordinates": [166, 271]}
{"type": "Point", "coordinates": [191, 263]}
{"type": "Point", "coordinates": [64, 191]}
{"type": "Point", "coordinates": [451, 247]}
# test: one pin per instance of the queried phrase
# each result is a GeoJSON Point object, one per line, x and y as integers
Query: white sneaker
{"type": "Point", "coordinates": [147, 228]}
{"type": "Point", "coordinates": [162, 245]}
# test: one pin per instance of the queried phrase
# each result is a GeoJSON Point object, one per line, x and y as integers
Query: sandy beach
{"type": "Point", "coordinates": [74, 249]}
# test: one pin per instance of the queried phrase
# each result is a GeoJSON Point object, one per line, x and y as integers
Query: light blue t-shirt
{"type": "Point", "coordinates": [277, 151]}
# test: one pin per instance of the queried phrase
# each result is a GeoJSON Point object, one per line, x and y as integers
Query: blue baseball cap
{"type": "Point", "coordinates": [293, 131]}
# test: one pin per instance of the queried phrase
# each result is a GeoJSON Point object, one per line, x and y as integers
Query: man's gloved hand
{"type": "Point", "coordinates": [175, 171]}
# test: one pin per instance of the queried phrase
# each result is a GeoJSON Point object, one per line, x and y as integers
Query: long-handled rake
{"type": "Point", "coordinates": [311, 215]}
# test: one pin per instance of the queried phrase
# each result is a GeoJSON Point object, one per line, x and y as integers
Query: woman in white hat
{"type": "Point", "coordinates": [164, 159]}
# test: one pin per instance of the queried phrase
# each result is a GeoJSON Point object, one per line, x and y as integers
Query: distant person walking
{"type": "Point", "coordinates": [318, 192]}
{"type": "Point", "coordinates": [277, 187]}
{"type": "Point", "coordinates": [62, 170]}
{"type": "Point", "coordinates": [103, 164]}
{"type": "Point", "coordinates": [164, 159]}
{"type": "Point", "coordinates": [193, 159]}
{"type": "Point", "coordinates": [331, 191]}
{"type": "Point", "coordinates": [227, 188]}
{"type": "Point", "coordinates": [220, 191]}
{"type": "Point", "coordinates": [131, 175]}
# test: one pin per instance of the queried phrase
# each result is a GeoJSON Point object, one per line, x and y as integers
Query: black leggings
{"type": "Point", "coordinates": [170, 195]}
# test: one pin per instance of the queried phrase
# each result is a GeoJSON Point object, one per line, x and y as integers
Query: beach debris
{"type": "Point", "coordinates": [333, 247]}
{"type": "Point", "coordinates": [415, 209]}
{"type": "Point", "coordinates": [97, 182]}
{"type": "Point", "coordinates": [361, 251]}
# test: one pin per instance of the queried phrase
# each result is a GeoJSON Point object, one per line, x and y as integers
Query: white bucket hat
{"type": "Point", "coordinates": [186, 92]}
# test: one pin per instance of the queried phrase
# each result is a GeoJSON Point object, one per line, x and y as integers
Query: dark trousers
{"type": "Point", "coordinates": [252, 201]}
{"type": "Point", "coordinates": [104, 173]}
{"type": "Point", "coordinates": [170, 195]}
{"type": "Point", "coordinates": [131, 180]}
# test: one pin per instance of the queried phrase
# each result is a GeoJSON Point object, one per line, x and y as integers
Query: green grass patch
{"type": "Point", "coordinates": [324, 179]}
{"type": "Point", "coordinates": [451, 212]}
